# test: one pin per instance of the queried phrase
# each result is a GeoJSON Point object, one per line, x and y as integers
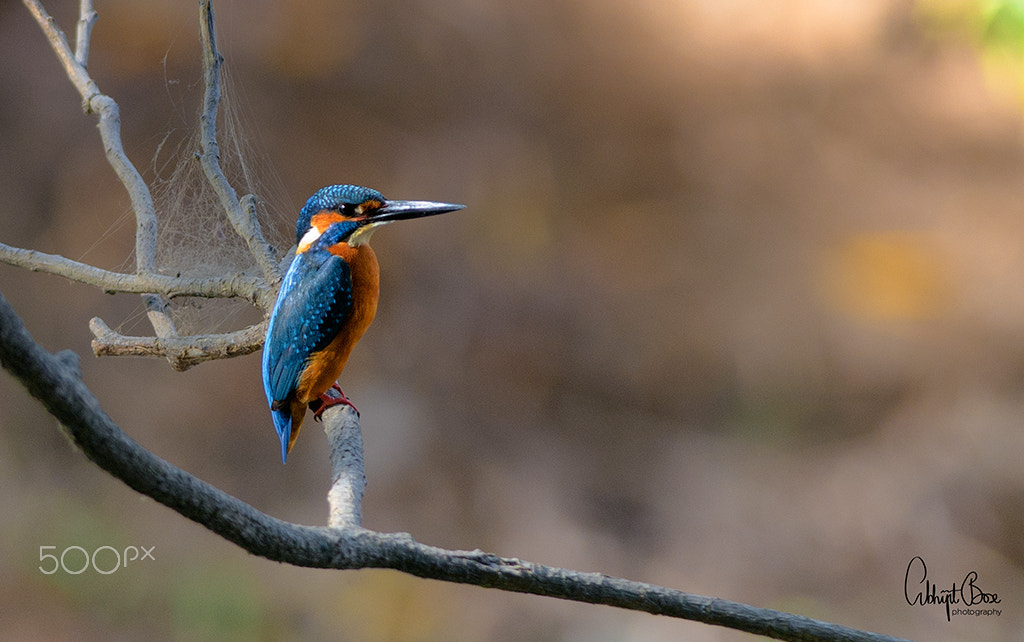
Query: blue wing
{"type": "Point", "coordinates": [315, 300]}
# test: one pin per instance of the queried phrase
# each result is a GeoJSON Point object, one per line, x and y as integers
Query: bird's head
{"type": "Point", "coordinates": [366, 208]}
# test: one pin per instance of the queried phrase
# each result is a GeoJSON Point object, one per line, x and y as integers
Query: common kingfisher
{"type": "Point", "coordinates": [327, 300]}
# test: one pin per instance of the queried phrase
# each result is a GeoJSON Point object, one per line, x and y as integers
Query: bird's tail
{"type": "Point", "coordinates": [283, 424]}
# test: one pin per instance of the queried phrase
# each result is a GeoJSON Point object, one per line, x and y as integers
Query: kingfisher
{"type": "Point", "coordinates": [327, 300]}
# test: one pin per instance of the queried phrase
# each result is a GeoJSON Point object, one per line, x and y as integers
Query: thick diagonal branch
{"type": "Point", "coordinates": [56, 384]}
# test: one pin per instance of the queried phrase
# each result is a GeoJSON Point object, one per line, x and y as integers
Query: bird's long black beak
{"type": "Point", "coordinates": [401, 210]}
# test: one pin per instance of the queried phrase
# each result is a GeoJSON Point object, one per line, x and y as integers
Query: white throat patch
{"type": "Point", "coordinates": [362, 235]}
{"type": "Point", "coordinates": [309, 238]}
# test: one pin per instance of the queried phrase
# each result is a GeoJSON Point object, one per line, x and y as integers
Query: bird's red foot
{"type": "Point", "coordinates": [326, 401]}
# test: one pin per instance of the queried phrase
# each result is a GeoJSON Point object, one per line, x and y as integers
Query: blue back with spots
{"type": "Point", "coordinates": [315, 301]}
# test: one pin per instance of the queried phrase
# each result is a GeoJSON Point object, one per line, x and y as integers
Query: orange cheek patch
{"type": "Point", "coordinates": [318, 222]}
{"type": "Point", "coordinates": [323, 220]}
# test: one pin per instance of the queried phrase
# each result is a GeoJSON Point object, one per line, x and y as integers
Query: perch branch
{"type": "Point", "coordinates": [348, 474]}
{"type": "Point", "coordinates": [54, 381]}
{"type": "Point", "coordinates": [243, 219]}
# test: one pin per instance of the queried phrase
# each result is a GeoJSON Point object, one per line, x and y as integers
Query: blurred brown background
{"type": "Point", "coordinates": [735, 307]}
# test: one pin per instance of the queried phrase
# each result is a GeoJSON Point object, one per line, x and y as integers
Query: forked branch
{"type": "Point", "coordinates": [242, 219]}
{"type": "Point", "coordinates": [238, 286]}
{"type": "Point", "coordinates": [154, 287]}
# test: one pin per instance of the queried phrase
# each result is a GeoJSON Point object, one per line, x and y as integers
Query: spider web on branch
{"type": "Point", "coordinates": [195, 238]}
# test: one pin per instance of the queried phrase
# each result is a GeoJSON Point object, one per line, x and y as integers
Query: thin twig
{"type": "Point", "coordinates": [182, 352]}
{"type": "Point", "coordinates": [158, 311]}
{"type": "Point", "coordinates": [86, 19]}
{"type": "Point", "coordinates": [241, 286]}
{"type": "Point", "coordinates": [243, 220]}
{"type": "Point", "coordinates": [110, 132]}
{"type": "Point", "coordinates": [56, 384]}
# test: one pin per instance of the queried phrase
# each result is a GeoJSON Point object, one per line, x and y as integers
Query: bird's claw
{"type": "Point", "coordinates": [325, 401]}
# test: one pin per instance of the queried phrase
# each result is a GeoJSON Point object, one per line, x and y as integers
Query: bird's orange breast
{"type": "Point", "coordinates": [325, 366]}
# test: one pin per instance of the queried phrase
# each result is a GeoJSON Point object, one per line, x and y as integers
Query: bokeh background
{"type": "Point", "coordinates": [735, 307]}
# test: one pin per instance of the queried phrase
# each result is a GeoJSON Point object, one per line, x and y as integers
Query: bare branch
{"type": "Point", "coordinates": [110, 132]}
{"type": "Point", "coordinates": [242, 219]}
{"type": "Point", "coordinates": [181, 352]}
{"type": "Point", "coordinates": [55, 383]}
{"type": "Point", "coordinates": [158, 311]}
{"type": "Point", "coordinates": [242, 286]}
{"type": "Point", "coordinates": [86, 19]}
{"type": "Point", "coordinates": [348, 474]}
{"type": "Point", "coordinates": [152, 286]}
